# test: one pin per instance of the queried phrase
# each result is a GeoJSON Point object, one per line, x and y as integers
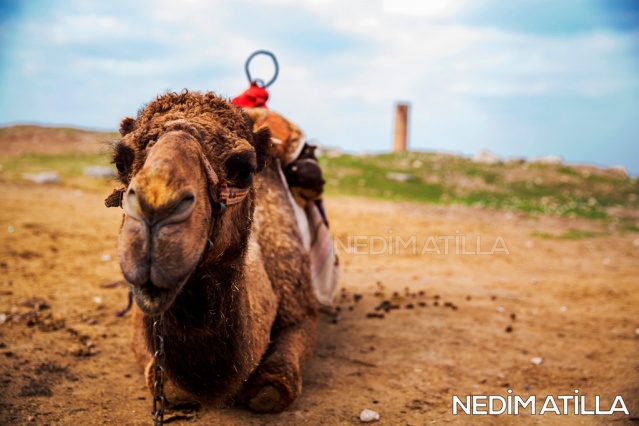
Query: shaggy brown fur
{"type": "Point", "coordinates": [232, 289]}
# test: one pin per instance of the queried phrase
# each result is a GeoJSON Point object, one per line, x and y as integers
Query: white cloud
{"type": "Point", "coordinates": [379, 52]}
{"type": "Point", "coordinates": [433, 9]}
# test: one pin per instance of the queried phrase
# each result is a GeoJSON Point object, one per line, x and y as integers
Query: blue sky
{"type": "Point", "coordinates": [518, 78]}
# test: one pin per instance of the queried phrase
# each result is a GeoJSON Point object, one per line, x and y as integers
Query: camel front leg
{"type": "Point", "coordinates": [277, 381]}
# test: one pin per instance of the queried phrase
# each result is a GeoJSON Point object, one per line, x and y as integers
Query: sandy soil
{"type": "Point", "coordinates": [468, 322]}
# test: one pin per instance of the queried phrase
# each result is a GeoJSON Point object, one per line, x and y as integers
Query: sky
{"type": "Point", "coordinates": [521, 78]}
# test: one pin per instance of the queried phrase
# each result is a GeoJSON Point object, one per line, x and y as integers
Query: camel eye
{"type": "Point", "coordinates": [245, 174]}
{"type": "Point", "coordinates": [119, 164]}
{"type": "Point", "coordinates": [123, 157]}
{"type": "Point", "coordinates": [241, 167]}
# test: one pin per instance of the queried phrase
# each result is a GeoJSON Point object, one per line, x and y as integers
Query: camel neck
{"type": "Point", "coordinates": [208, 312]}
{"type": "Point", "coordinates": [207, 297]}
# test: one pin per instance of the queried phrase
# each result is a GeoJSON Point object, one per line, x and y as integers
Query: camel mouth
{"type": "Point", "coordinates": [152, 299]}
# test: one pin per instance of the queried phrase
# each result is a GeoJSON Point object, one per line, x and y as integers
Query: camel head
{"type": "Point", "coordinates": [188, 162]}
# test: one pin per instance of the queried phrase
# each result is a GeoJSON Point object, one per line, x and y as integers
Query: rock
{"type": "Point", "coordinates": [398, 177]}
{"type": "Point", "coordinates": [516, 160]}
{"type": "Point", "coordinates": [637, 331]}
{"type": "Point", "coordinates": [536, 360]}
{"type": "Point", "coordinates": [618, 170]}
{"type": "Point", "coordinates": [367, 416]}
{"type": "Point", "coordinates": [549, 159]}
{"type": "Point", "coordinates": [99, 171]}
{"type": "Point", "coordinates": [486, 157]}
{"type": "Point", "coordinates": [42, 177]}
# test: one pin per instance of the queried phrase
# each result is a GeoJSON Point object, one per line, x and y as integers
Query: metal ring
{"type": "Point", "coordinates": [248, 73]}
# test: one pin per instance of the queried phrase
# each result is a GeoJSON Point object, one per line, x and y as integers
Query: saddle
{"type": "Point", "coordinates": [301, 171]}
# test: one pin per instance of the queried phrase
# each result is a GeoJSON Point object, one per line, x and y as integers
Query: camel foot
{"type": "Point", "coordinates": [266, 400]}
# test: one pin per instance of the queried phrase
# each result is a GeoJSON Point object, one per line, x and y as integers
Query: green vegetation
{"type": "Point", "coordinates": [571, 234]}
{"type": "Point", "coordinates": [368, 177]}
{"type": "Point", "coordinates": [627, 224]}
{"type": "Point", "coordinates": [69, 168]}
{"type": "Point", "coordinates": [67, 165]}
{"type": "Point", "coordinates": [446, 179]}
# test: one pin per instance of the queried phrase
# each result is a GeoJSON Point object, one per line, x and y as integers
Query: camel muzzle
{"type": "Point", "coordinates": [166, 222]}
{"type": "Point", "coordinates": [137, 207]}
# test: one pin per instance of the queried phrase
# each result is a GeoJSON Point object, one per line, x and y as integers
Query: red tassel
{"type": "Point", "coordinates": [254, 96]}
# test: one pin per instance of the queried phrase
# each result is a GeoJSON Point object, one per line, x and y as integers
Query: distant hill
{"type": "Point", "coordinates": [31, 139]}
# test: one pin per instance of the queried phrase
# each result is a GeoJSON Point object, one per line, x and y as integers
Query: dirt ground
{"type": "Point", "coordinates": [523, 311]}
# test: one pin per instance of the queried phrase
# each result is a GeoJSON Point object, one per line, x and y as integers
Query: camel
{"type": "Point", "coordinates": [209, 246]}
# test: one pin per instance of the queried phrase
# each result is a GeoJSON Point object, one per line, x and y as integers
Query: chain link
{"type": "Point", "coordinates": [158, 371]}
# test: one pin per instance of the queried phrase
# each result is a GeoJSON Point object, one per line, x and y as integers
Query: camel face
{"type": "Point", "coordinates": [167, 221]}
{"type": "Point", "coordinates": [177, 170]}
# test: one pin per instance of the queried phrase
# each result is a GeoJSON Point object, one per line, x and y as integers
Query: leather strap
{"type": "Point", "coordinates": [225, 195]}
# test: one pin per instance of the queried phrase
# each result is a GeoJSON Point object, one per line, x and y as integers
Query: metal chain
{"type": "Point", "coordinates": [158, 370]}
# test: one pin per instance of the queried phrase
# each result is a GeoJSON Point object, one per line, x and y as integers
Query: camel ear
{"type": "Point", "coordinates": [262, 145]}
{"type": "Point", "coordinates": [126, 125]}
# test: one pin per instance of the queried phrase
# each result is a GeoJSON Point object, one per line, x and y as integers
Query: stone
{"type": "Point", "coordinates": [99, 171]}
{"type": "Point", "coordinates": [43, 177]}
{"type": "Point", "coordinates": [398, 177]}
{"type": "Point", "coordinates": [549, 159]}
{"type": "Point", "coordinates": [367, 416]}
{"type": "Point", "coordinates": [486, 157]}
{"type": "Point", "coordinates": [618, 170]}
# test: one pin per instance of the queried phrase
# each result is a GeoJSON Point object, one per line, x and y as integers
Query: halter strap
{"type": "Point", "coordinates": [226, 195]}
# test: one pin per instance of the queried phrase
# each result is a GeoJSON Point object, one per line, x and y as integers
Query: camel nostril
{"type": "Point", "coordinates": [183, 209]}
{"type": "Point", "coordinates": [131, 204]}
{"type": "Point", "coordinates": [144, 208]}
